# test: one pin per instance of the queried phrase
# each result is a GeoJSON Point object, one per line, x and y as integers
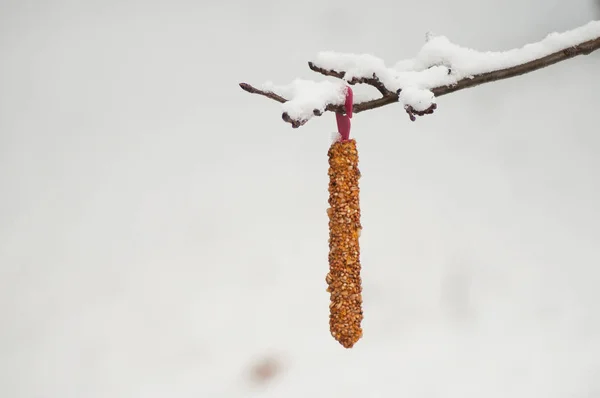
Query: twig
{"type": "Point", "coordinates": [287, 118]}
{"type": "Point", "coordinates": [374, 81]}
{"type": "Point", "coordinates": [268, 94]}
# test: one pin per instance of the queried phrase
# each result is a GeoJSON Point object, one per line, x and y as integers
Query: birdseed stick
{"type": "Point", "coordinates": [343, 279]}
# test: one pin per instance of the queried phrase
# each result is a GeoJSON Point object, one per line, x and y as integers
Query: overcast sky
{"type": "Point", "coordinates": [164, 234]}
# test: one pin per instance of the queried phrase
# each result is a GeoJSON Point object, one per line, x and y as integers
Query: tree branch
{"type": "Point", "coordinates": [390, 95]}
{"type": "Point", "coordinates": [584, 48]}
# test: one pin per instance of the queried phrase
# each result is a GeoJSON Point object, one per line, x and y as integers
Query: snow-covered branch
{"type": "Point", "coordinates": [439, 68]}
{"type": "Point", "coordinates": [305, 98]}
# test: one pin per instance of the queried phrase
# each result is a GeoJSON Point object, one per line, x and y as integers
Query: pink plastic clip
{"type": "Point", "coordinates": [343, 121]}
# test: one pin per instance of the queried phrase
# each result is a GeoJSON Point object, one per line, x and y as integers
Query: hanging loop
{"type": "Point", "coordinates": [343, 120]}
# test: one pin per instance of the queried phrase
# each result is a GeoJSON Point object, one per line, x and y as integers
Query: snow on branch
{"type": "Point", "coordinates": [439, 68]}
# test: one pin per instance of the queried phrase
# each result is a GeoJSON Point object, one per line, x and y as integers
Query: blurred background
{"type": "Point", "coordinates": [164, 234]}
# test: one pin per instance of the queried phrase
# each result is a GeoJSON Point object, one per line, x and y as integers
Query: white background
{"type": "Point", "coordinates": [163, 233]}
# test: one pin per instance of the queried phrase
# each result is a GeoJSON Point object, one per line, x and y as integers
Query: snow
{"type": "Point", "coordinates": [419, 98]}
{"type": "Point", "coordinates": [304, 96]}
{"type": "Point", "coordinates": [335, 137]}
{"type": "Point", "coordinates": [466, 62]}
{"type": "Point", "coordinates": [438, 63]}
